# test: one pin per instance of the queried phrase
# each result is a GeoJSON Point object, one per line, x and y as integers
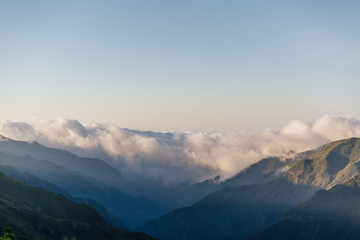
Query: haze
{"type": "Point", "coordinates": [176, 157]}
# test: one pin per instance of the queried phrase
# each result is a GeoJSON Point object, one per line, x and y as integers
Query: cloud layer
{"type": "Point", "coordinates": [181, 156]}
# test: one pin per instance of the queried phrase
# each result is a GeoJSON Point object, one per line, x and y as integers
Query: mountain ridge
{"type": "Point", "coordinates": [31, 213]}
{"type": "Point", "coordinates": [256, 207]}
{"type": "Point", "coordinates": [330, 214]}
{"type": "Point", "coordinates": [93, 167]}
{"type": "Point", "coordinates": [132, 211]}
{"type": "Point", "coordinates": [34, 181]}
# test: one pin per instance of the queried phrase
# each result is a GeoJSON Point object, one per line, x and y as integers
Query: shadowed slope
{"type": "Point", "coordinates": [95, 168]}
{"type": "Point", "coordinates": [31, 180]}
{"type": "Point", "coordinates": [330, 214]}
{"type": "Point", "coordinates": [238, 213]}
{"type": "Point", "coordinates": [35, 212]}
{"type": "Point", "coordinates": [129, 210]}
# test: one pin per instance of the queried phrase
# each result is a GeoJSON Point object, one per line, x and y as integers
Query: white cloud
{"type": "Point", "coordinates": [175, 157]}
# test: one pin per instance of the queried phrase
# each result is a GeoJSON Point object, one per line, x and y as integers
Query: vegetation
{"type": "Point", "coordinates": [73, 238]}
{"type": "Point", "coordinates": [34, 212]}
{"type": "Point", "coordinates": [230, 213]}
{"type": "Point", "coordinates": [238, 213]}
{"type": "Point", "coordinates": [118, 208]}
{"type": "Point", "coordinates": [333, 164]}
{"type": "Point", "coordinates": [330, 214]}
{"type": "Point", "coordinates": [8, 235]}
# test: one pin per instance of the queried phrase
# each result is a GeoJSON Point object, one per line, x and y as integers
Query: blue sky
{"type": "Point", "coordinates": [170, 65]}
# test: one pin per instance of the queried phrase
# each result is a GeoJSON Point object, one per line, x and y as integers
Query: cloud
{"type": "Point", "coordinates": [181, 156]}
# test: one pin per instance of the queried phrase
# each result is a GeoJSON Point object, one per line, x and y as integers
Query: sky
{"type": "Point", "coordinates": [172, 65]}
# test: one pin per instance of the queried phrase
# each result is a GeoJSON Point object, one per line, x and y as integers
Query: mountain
{"type": "Point", "coordinates": [330, 214]}
{"type": "Point", "coordinates": [132, 211]}
{"type": "Point", "coordinates": [95, 168]}
{"type": "Point", "coordinates": [31, 180]}
{"type": "Point", "coordinates": [36, 212]}
{"type": "Point", "coordinates": [333, 164]}
{"type": "Point", "coordinates": [232, 212]}
{"type": "Point", "coordinates": [240, 212]}
{"type": "Point", "coordinates": [263, 171]}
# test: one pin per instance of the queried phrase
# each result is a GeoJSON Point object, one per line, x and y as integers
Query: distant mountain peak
{"type": "Point", "coordinates": [239, 212]}
{"type": "Point", "coordinates": [92, 167]}
{"type": "Point", "coordinates": [333, 164]}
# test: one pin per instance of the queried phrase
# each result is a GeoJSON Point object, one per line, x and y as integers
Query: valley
{"type": "Point", "coordinates": [252, 203]}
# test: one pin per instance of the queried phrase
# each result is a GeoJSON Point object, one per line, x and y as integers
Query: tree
{"type": "Point", "coordinates": [65, 238]}
{"type": "Point", "coordinates": [8, 235]}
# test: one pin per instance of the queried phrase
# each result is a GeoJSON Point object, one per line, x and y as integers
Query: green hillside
{"type": "Point", "coordinates": [263, 171]}
{"type": "Point", "coordinates": [133, 211]}
{"type": "Point", "coordinates": [232, 213]}
{"type": "Point", "coordinates": [330, 214]}
{"type": "Point", "coordinates": [35, 212]}
{"type": "Point", "coordinates": [238, 213]}
{"type": "Point", "coordinates": [333, 164]}
{"type": "Point", "coordinates": [31, 180]}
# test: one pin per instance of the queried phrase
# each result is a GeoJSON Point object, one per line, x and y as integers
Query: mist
{"type": "Point", "coordinates": [175, 157]}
